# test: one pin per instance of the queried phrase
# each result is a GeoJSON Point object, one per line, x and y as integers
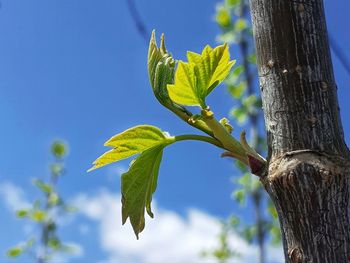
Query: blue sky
{"type": "Point", "coordinates": [76, 70]}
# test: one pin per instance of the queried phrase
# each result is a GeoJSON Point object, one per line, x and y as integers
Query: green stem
{"type": "Point", "coordinates": [221, 134]}
{"type": "Point", "coordinates": [195, 137]}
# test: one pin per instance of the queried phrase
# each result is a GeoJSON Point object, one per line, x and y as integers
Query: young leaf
{"type": "Point", "coordinates": [138, 185]}
{"type": "Point", "coordinates": [197, 78]}
{"type": "Point", "coordinates": [130, 142]}
{"type": "Point", "coordinates": [213, 66]}
{"type": "Point", "coordinates": [186, 90]}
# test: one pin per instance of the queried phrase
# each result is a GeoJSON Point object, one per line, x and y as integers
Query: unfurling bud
{"type": "Point", "coordinates": [161, 70]}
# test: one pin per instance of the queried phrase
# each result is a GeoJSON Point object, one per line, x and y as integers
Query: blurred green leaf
{"type": "Point", "coordinates": [240, 24]}
{"type": "Point", "coordinates": [240, 114]}
{"type": "Point", "coordinates": [38, 215]}
{"type": "Point", "coordinates": [21, 213]}
{"type": "Point", "coordinates": [250, 101]}
{"type": "Point", "coordinates": [245, 180]}
{"type": "Point", "coordinates": [59, 149]}
{"type": "Point", "coordinates": [249, 233]}
{"type": "Point", "coordinates": [252, 58]}
{"type": "Point", "coordinates": [14, 252]}
{"type": "Point", "coordinates": [57, 169]}
{"type": "Point", "coordinates": [239, 195]}
{"type": "Point", "coordinates": [54, 243]}
{"type": "Point", "coordinates": [223, 17]}
{"type": "Point", "coordinates": [233, 3]}
{"type": "Point", "coordinates": [53, 199]}
{"type": "Point", "coordinates": [237, 91]}
{"type": "Point", "coordinates": [46, 188]}
{"type": "Point", "coordinates": [234, 221]}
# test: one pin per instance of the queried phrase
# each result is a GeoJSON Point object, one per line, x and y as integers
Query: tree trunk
{"type": "Point", "coordinates": [309, 162]}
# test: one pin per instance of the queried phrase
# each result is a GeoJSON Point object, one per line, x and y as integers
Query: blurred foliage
{"type": "Point", "coordinates": [233, 18]}
{"type": "Point", "coordinates": [45, 213]}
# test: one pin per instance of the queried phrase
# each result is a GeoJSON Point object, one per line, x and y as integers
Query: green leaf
{"type": "Point", "coordinates": [46, 188]}
{"type": "Point", "coordinates": [59, 149]}
{"type": "Point", "coordinates": [54, 243]}
{"type": "Point", "coordinates": [14, 252]}
{"type": "Point", "coordinates": [245, 180]}
{"type": "Point", "coordinates": [249, 233]}
{"type": "Point", "coordinates": [130, 142]}
{"type": "Point", "coordinates": [233, 3]}
{"type": "Point", "coordinates": [53, 199]}
{"type": "Point", "coordinates": [239, 195]}
{"type": "Point", "coordinates": [223, 17]}
{"type": "Point", "coordinates": [38, 215]}
{"type": "Point", "coordinates": [237, 91]}
{"type": "Point", "coordinates": [250, 101]}
{"type": "Point", "coordinates": [252, 58]}
{"type": "Point", "coordinates": [240, 114]}
{"type": "Point", "coordinates": [21, 213]}
{"type": "Point", "coordinates": [197, 78]}
{"type": "Point", "coordinates": [240, 24]}
{"type": "Point", "coordinates": [138, 185]}
{"type": "Point", "coordinates": [186, 90]}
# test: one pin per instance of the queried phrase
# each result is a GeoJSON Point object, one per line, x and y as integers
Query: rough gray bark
{"type": "Point", "coordinates": [309, 168]}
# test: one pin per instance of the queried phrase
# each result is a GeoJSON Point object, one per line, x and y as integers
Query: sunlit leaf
{"type": "Point", "coordinates": [186, 90]}
{"type": "Point", "coordinates": [130, 142]}
{"type": "Point", "coordinates": [197, 78]}
{"type": "Point", "coordinates": [138, 185]}
{"type": "Point", "coordinates": [223, 17]}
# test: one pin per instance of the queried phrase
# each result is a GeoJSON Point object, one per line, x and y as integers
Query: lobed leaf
{"type": "Point", "coordinates": [186, 90]}
{"type": "Point", "coordinates": [130, 142]}
{"type": "Point", "coordinates": [197, 78]}
{"type": "Point", "coordinates": [138, 185]}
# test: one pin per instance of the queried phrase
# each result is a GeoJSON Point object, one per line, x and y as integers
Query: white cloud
{"type": "Point", "coordinates": [13, 196]}
{"type": "Point", "coordinates": [167, 238]}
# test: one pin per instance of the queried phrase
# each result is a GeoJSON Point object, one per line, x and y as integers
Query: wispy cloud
{"type": "Point", "coordinates": [167, 238]}
{"type": "Point", "coordinates": [13, 196]}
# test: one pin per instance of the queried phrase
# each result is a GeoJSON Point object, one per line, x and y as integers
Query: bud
{"type": "Point", "coordinates": [161, 70]}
